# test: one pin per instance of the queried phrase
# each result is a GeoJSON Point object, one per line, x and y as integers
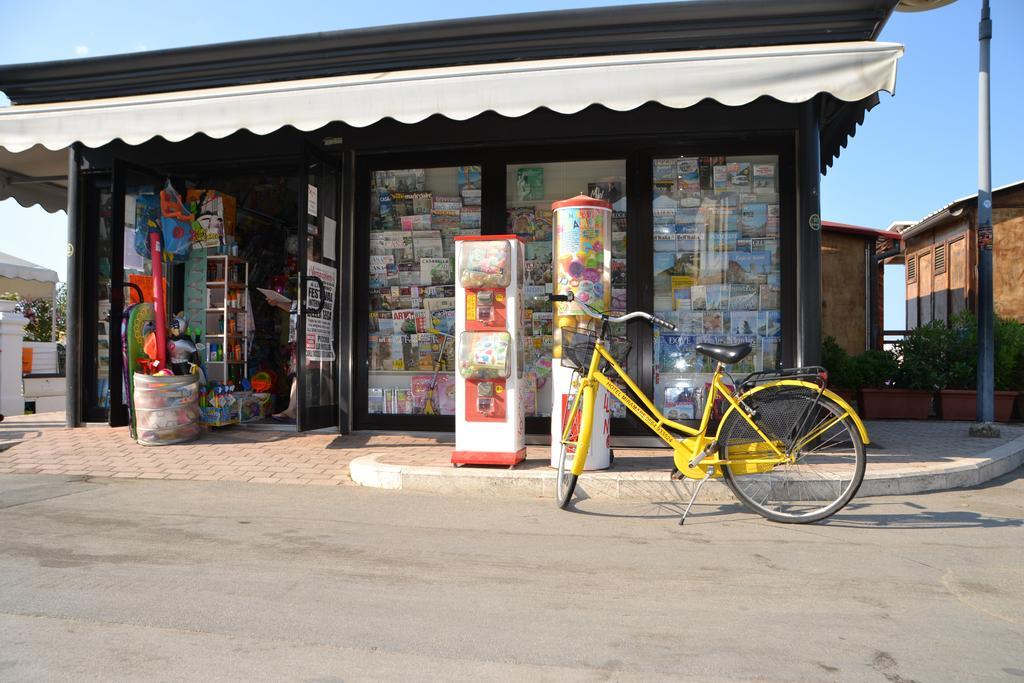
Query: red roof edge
{"type": "Point", "coordinates": [832, 226]}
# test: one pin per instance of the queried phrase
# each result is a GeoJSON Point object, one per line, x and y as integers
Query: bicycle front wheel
{"type": "Point", "coordinates": [576, 429]}
{"type": "Point", "coordinates": [826, 455]}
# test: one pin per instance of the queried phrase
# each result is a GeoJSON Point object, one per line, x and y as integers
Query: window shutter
{"type": "Point", "coordinates": [911, 268]}
{"type": "Point", "coordinates": [939, 266]}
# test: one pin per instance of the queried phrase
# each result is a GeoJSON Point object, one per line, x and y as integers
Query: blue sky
{"type": "Point", "coordinates": [916, 152]}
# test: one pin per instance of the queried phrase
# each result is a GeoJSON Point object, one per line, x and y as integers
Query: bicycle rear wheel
{"type": "Point", "coordinates": [823, 441]}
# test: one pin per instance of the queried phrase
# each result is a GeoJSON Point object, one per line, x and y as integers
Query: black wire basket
{"type": "Point", "coordinates": [578, 347]}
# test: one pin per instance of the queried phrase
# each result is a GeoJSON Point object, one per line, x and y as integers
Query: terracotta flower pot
{"type": "Point", "coordinates": [962, 404]}
{"type": "Point", "coordinates": [895, 404]}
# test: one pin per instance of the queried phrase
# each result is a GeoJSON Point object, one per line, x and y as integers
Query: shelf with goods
{"type": "Point", "coordinates": [227, 282]}
{"type": "Point", "coordinates": [716, 269]}
{"type": "Point", "coordinates": [415, 216]}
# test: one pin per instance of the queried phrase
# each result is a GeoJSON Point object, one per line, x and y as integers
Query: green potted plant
{"type": "Point", "coordinates": [957, 399]}
{"type": "Point", "coordinates": [875, 372]}
{"type": "Point", "coordinates": [841, 376]}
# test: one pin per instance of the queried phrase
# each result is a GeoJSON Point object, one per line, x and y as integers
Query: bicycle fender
{"type": "Point", "coordinates": [832, 396]}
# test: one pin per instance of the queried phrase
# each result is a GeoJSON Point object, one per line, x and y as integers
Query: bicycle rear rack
{"type": "Point", "coordinates": [814, 373]}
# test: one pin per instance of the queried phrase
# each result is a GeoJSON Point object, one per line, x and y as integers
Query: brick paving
{"type": "Point", "coordinates": [41, 445]}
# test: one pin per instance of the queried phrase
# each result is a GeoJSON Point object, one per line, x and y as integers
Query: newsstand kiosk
{"type": "Point", "coordinates": [490, 427]}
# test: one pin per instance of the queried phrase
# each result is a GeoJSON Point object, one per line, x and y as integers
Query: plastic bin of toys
{"type": "Point", "coordinates": [166, 408]}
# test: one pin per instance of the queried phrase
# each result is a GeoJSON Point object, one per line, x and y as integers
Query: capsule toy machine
{"type": "Point", "coordinates": [490, 427]}
{"type": "Point", "coordinates": [582, 265]}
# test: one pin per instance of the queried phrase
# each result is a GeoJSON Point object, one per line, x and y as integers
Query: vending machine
{"type": "Point", "coordinates": [490, 427]}
{"type": "Point", "coordinates": [582, 264]}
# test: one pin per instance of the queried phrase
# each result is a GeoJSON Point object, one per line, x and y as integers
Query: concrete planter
{"type": "Point", "coordinates": [962, 404]}
{"type": "Point", "coordinates": [895, 404]}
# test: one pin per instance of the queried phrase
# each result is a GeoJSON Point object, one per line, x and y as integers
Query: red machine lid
{"type": "Point", "coordinates": [582, 200]}
{"type": "Point", "coordinates": [486, 238]}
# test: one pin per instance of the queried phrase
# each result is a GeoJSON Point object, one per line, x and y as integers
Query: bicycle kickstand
{"type": "Point", "coordinates": [693, 496]}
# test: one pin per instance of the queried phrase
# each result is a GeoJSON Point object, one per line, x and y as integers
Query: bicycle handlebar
{"type": "Point", "coordinates": [590, 311]}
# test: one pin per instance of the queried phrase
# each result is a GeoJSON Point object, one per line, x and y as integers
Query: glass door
{"type": "Point", "coordinates": [97, 333]}
{"type": "Point", "coordinates": [130, 277]}
{"type": "Point", "coordinates": [316, 347]}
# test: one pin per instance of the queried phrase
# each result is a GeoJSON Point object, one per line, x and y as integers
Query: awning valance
{"type": "Point", "coordinates": [27, 279]}
{"type": "Point", "coordinates": [790, 73]}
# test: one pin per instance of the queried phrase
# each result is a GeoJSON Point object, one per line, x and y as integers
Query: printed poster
{"type": "Point", "coordinates": [320, 326]}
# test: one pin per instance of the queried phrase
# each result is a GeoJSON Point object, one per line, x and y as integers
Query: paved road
{"type": "Point", "coordinates": [129, 579]}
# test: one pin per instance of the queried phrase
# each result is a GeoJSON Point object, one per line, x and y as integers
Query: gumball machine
{"type": "Point", "coordinates": [490, 426]}
{"type": "Point", "coordinates": [582, 264]}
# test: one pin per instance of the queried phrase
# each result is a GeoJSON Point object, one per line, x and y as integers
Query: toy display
{"type": "Point", "coordinates": [490, 382]}
{"type": "Point", "coordinates": [219, 405]}
{"type": "Point", "coordinates": [166, 408]}
{"type": "Point", "coordinates": [137, 324]}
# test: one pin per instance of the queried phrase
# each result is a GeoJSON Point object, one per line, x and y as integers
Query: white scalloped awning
{"type": "Point", "coordinates": [793, 73]}
{"type": "Point", "coordinates": [790, 73]}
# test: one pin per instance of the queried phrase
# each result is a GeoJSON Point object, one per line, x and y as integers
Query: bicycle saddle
{"type": "Point", "coordinates": [725, 353]}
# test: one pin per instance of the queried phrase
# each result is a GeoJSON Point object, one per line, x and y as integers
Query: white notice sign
{"type": "Point", "coordinates": [320, 325]}
{"type": "Point", "coordinates": [311, 202]}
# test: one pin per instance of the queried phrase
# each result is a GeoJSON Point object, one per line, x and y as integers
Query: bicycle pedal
{"type": "Point", "coordinates": [677, 475]}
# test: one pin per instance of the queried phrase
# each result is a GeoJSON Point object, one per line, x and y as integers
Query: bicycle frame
{"type": "Point", "coordinates": [684, 450]}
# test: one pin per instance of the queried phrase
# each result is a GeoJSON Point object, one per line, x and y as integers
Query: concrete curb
{"type": "Point", "coordinates": [659, 486]}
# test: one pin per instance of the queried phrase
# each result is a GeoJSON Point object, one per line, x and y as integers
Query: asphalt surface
{"type": "Point", "coordinates": [129, 579]}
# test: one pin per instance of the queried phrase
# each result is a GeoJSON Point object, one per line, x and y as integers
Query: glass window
{"type": "Point", "coordinates": [415, 216]}
{"type": "Point", "coordinates": [530, 190]}
{"type": "Point", "coordinates": [716, 270]}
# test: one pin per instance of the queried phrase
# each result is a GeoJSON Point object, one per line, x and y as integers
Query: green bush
{"type": "Point", "coordinates": [960, 360]}
{"type": "Point", "coordinates": [1009, 361]}
{"type": "Point", "coordinates": [922, 357]}
{"type": "Point", "coordinates": [872, 369]}
{"type": "Point", "coordinates": [836, 361]}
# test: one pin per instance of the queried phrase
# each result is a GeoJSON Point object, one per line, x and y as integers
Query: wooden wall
{"type": "Point", "coordinates": [1008, 261]}
{"type": "Point", "coordinates": [942, 264]}
{"type": "Point", "coordinates": [844, 268]}
{"type": "Point", "coordinates": [939, 273]}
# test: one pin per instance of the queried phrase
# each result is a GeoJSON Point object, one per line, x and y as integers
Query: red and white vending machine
{"type": "Point", "coordinates": [490, 427]}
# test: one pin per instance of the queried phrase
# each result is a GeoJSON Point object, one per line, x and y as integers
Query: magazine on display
{"type": "Point", "coordinates": [427, 244]}
{"type": "Point", "coordinates": [678, 402]}
{"type": "Point", "coordinates": [770, 296]}
{"type": "Point", "coordinates": [714, 322]}
{"type": "Point", "coordinates": [769, 323]}
{"type": "Point", "coordinates": [529, 184]}
{"type": "Point", "coordinates": [770, 353]}
{"type": "Point", "coordinates": [753, 219]}
{"type": "Point", "coordinates": [743, 297]}
{"type": "Point", "coordinates": [764, 178]}
{"type": "Point", "coordinates": [690, 322]}
{"type": "Point", "coordinates": [676, 353]}
{"type": "Point", "coordinates": [436, 271]}
{"type": "Point", "coordinates": [743, 322]}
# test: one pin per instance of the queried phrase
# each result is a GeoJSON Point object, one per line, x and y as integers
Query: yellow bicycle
{"type": "Point", "coordinates": [788, 448]}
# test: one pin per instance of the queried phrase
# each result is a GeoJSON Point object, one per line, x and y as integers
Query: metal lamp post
{"type": "Point", "coordinates": [986, 314]}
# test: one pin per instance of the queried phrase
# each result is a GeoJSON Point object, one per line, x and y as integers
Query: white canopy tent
{"type": "Point", "coordinates": [33, 138]}
{"type": "Point", "coordinates": [28, 280]}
